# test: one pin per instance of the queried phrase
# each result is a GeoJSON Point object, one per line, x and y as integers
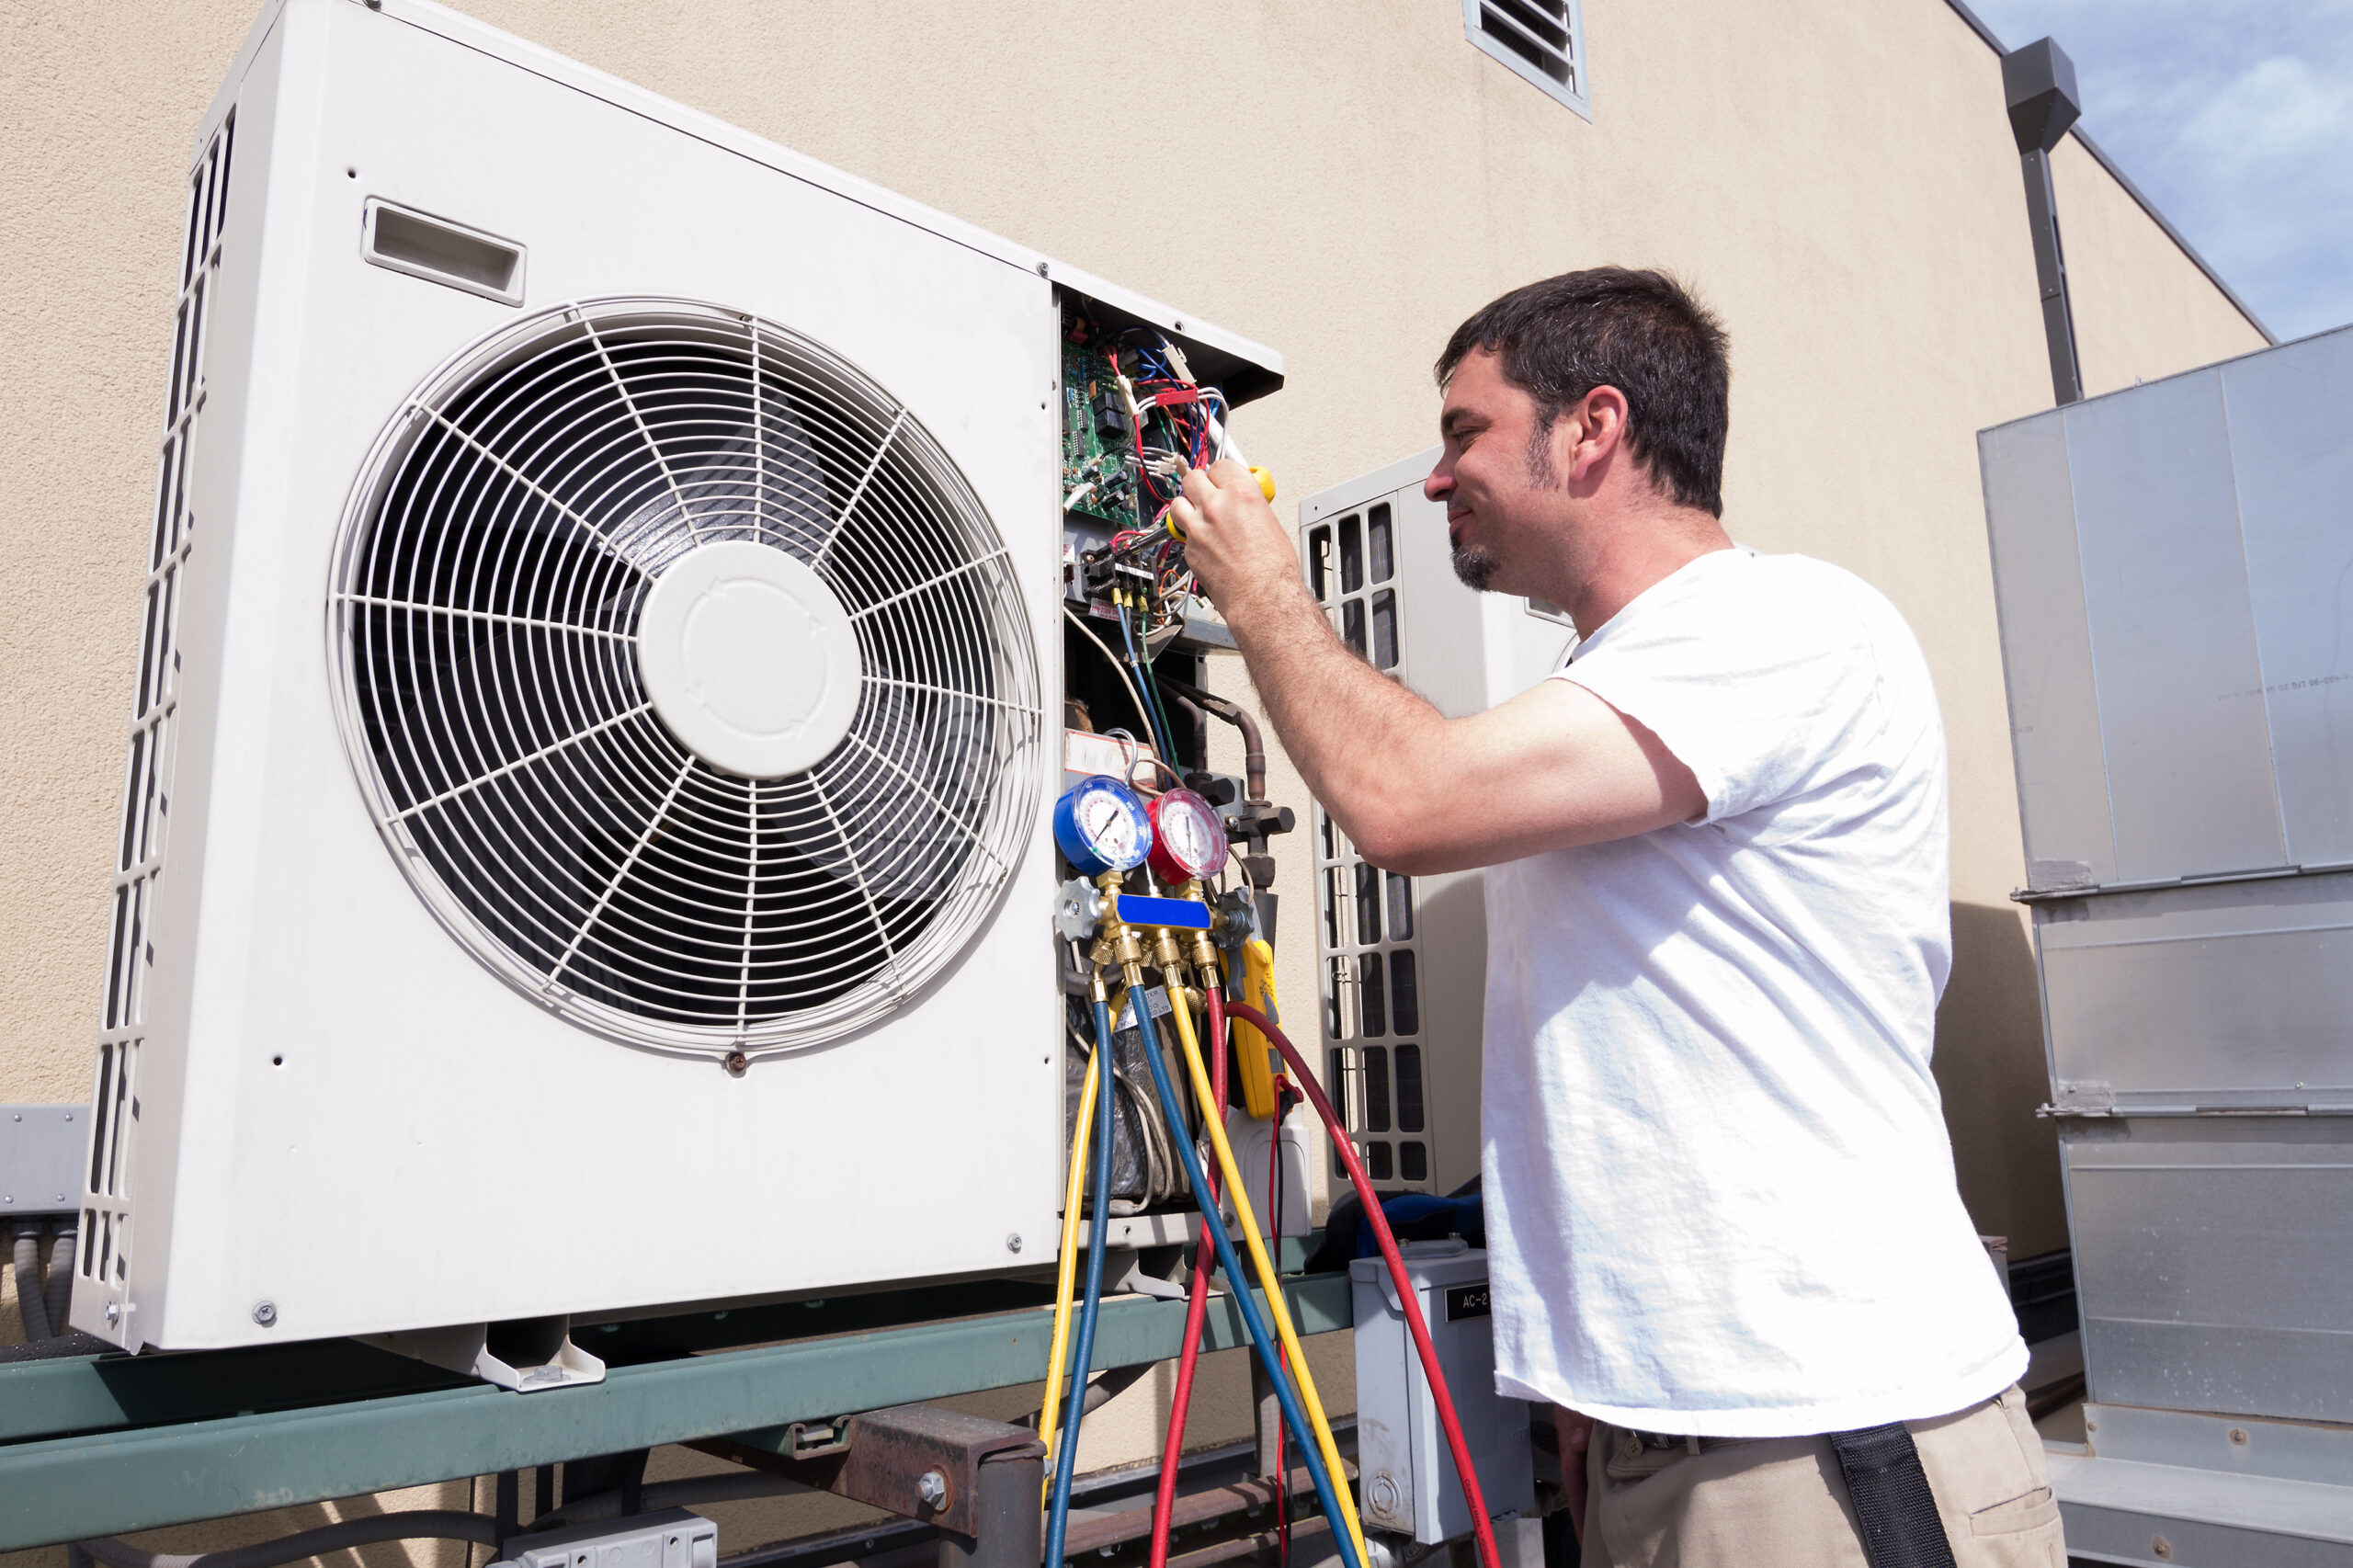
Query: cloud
{"type": "Point", "coordinates": [2236, 117]}
{"type": "Point", "coordinates": [2278, 108]}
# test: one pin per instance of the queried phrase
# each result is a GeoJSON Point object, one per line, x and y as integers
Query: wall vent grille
{"type": "Point", "coordinates": [1542, 42]}
{"type": "Point", "coordinates": [147, 783]}
{"type": "Point", "coordinates": [1370, 963]}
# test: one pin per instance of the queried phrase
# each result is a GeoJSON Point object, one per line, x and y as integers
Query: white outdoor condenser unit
{"type": "Point", "coordinates": [1402, 961]}
{"type": "Point", "coordinates": [585, 843]}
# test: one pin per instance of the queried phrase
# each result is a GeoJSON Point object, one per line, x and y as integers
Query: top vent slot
{"type": "Point", "coordinates": [442, 252]}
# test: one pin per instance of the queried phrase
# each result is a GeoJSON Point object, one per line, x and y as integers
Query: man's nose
{"type": "Point", "coordinates": [1440, 485]}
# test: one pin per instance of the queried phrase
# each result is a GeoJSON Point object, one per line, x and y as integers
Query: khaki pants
{"type": "Point", "coordinates": [1781, 1502]}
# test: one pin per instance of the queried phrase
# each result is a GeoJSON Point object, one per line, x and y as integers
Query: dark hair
{"type": "Point", "coordinates": [1640, 331]}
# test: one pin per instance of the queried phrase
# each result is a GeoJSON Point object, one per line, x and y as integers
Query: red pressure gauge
{"type": "Point", "coordinates": [1188, 840]}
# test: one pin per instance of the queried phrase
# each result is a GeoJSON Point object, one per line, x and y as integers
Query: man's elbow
{"type": "Point", "coordinates": [1404, 843]}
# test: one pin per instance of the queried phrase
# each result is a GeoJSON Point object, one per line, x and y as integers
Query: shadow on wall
{"type": "Point", "coordinates": [1989, 1067]}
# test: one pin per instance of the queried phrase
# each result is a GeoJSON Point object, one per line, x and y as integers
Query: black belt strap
{"type": "Point", "coordinates": [1892, 1503]}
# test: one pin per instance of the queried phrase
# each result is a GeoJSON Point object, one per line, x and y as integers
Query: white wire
{"type": "Point", "coordinates": [1126, 680]}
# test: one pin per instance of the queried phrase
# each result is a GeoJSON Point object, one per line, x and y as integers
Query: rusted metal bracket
{"type": "Point", "coordinates": [974, 1479]}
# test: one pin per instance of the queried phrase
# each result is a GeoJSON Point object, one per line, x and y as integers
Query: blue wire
{"type": "Point", "coordinates": [1066, 1451]}
{"type": "Point", "coordinates": [1239, 1283]}
{"type": "Point", "coordinates": [1161, 736]}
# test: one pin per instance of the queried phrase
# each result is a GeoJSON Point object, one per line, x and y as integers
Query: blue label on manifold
{"type": "Point", "coordinates": [1179, 913]}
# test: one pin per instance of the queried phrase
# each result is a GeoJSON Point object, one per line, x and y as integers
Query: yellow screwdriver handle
{"type": "Point", "coordinates": [1265, 487]}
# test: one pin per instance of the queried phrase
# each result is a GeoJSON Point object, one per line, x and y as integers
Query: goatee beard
{"type": "Point", "coordinates": [1475, 566]}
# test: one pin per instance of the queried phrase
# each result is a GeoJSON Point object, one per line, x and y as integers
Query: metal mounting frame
{"type": "Point", "coordinates": [104, 1445]}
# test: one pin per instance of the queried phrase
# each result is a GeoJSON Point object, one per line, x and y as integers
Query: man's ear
{"type": "Point", "coordinates": [1598, 424]}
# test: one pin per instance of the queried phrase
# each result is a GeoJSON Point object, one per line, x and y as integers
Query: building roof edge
{"type": "Point", "coordinates": [2099, 155]}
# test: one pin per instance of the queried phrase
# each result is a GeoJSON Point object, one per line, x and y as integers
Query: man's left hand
{"type": "Point", "coordinates": [1234, 542]}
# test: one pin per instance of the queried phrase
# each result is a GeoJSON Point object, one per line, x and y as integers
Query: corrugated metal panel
{"type": "Point", "coordinates": [2291, 452]}
{"type": "Point", "coordinates": [2218, 995]}
{"type": "Point", "coordinates": [2214, 1260]}
{"type": "Point", "coordinates": [2047, 655]}
{"type": "Point", "coordinates": [2172, 633]}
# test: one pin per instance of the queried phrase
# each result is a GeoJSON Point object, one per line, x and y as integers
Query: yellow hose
{"type": "Point", "coordinates": [1066, 1276]}
{"type": "Point", "coordinates": [1213, 1120]}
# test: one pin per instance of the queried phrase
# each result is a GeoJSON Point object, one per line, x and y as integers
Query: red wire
{"type": "Point", "coordinates": [1406, 1299]}
{"type": "Point", "coordinates": [1164, 1503]}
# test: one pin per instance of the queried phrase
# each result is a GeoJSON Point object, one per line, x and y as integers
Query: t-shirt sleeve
{"type": "Point", "coordinates": [1760, 694]}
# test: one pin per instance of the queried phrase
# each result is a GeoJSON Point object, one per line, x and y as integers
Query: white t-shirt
{"type": "Point", "coordinates": [1720, 1194]}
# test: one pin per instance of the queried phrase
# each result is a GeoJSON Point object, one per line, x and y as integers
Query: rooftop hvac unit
{"type": "Point", "coordinates": [2170, 562]}
{"type": "Point", "coordinates": [585, 844]}
{"type": "Point", "coordinates": [1403, 959]}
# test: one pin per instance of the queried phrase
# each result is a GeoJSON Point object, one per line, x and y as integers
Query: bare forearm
{"type": "Point", "coordinates": [1417, 792]}
{"type": "Point", "coordinates": [1361, 742]}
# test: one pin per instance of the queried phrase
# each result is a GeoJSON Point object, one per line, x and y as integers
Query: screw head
{"type": "Point", "coordinates": [114, 1311]}
{"type": "Point", "coordinates": [2160, 1548]}
{"type": "Point", "coordinates": [932, 1489]}
{"type": "Point", "coordinates": [266, 1312]}
{"type": "Point", "coordinates": [736, 1063]}
{"type": "Point", "coordinates": [1013, 1241]}
{"type": "Point", "coordinates": [2238, 1436]}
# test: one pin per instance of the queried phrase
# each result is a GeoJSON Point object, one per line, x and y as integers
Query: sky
{"type": "Point", "coordinates": [2235, 117]}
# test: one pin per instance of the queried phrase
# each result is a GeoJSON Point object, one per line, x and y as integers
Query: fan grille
{"type": "Point", "coordinates": [488, 585]}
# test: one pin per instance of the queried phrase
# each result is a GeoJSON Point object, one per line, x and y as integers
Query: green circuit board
{"type": "Point", "coordinates": [1103, 475]}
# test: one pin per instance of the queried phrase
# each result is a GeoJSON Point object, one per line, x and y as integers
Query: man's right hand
{"type": "Point", "coordinates": [1234, 542]}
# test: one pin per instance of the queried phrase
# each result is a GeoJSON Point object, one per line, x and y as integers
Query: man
{"type": "Point", "coordinates": [1725, 1234]}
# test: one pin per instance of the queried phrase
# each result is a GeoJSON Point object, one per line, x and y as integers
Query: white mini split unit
{"type": "Point", "coordinates": [1403, 961]}
{"type": "Point", "coordinates": [586, 839]}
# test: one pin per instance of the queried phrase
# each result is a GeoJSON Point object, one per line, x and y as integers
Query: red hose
{"type": "Point", "coordinates": [1406, 1299]}
{"type": "Point", "coordinates": [1197, 1302]}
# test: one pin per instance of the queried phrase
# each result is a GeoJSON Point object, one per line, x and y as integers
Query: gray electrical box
{"type": "Point", "coordinates": [40, 1153]}
{"type": "Point", "coordinates": [671, 1539]}
{"type": "Point", "coordinates": [1408, 1483]}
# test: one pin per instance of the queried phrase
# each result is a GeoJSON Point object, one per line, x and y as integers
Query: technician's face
{"type": "Point", "coordinates": [1484, 477]}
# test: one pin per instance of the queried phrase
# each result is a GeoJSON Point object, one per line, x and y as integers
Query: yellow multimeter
{"type": "Point", "coordinates": [1253, 1053]}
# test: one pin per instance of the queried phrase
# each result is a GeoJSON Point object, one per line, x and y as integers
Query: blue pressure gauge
{"type": "Point", "coordinates": [1102, 826]}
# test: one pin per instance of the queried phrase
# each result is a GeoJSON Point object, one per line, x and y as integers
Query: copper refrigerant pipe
{"type": "Point", "coordinates": [1254, 745]}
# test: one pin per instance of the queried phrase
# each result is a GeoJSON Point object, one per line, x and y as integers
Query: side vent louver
{"type": "Point", "coordinates": [1370, 962]}
{"type": "Point", "coordinates": [147, 785]}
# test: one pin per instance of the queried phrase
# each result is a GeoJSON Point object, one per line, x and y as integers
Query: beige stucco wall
{"type": "Point", "coordinates": [1836, 176]}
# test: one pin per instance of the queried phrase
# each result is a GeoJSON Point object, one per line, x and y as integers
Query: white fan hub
{"type": "Point", "coordinates": [749, 659]}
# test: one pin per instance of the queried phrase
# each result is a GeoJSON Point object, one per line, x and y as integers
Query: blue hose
{"type": "Point", "coordinates": [1066, 1450]}
{"type": "Point", "coordinates": [1239, 1283]}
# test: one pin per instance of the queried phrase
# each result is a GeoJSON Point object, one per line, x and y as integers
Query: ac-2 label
{"type": "Point", "coordinates": [1468, 1301]}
